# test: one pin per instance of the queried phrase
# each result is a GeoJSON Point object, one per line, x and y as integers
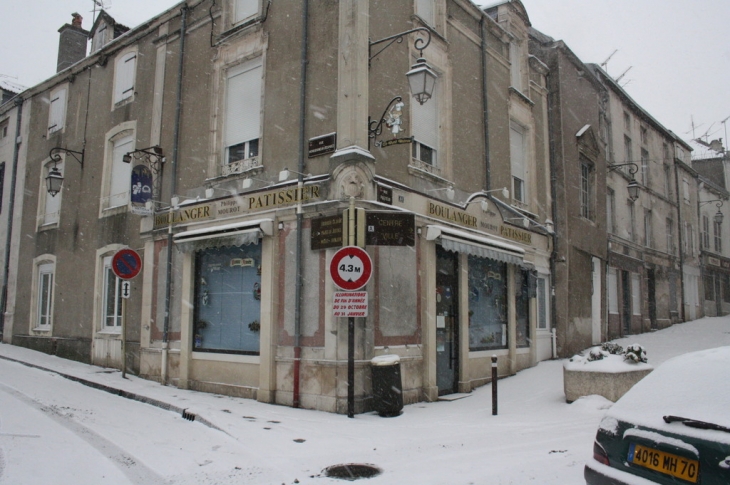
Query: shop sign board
{"type": "Point", "coordinates": [351, 268]}
{"type": "Point", "coordinates": [126, 264]}
{"type": "Point", "coordinates": [326, 232]}
{"type": "Point", "coordinates": [350, 304]}
{"type": "Point", "coordinates": [385, 194]}
{"type": "Point", "coordinates": [390, 229]}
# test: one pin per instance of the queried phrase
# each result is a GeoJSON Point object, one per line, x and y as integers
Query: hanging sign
{"type": "Point", "coordinates": [351, 268]}
{"type": "Point", "coordinates": [141, 189]}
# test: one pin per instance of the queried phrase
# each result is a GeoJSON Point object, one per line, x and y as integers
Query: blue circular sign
{"type": "Point", "coordinates": [126, 264]}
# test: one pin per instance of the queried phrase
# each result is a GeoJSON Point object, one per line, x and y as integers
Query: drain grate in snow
{"type": "Point", "coordinates": [352, 471]}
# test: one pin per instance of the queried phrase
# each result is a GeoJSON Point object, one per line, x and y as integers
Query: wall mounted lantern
{"type": "Point", "coordinates": [633, 186]}
{"type": "Point", "coordinates": [54, 179]}
{"type": "Point", "coordinates": [719, 216]}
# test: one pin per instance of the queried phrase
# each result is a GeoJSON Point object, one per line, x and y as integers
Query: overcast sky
{"type": "Point", "coordinates": [678, 50]}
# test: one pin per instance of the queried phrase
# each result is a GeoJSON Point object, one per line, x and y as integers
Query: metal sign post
{"type": "Point", "coordinates": [126, 264]}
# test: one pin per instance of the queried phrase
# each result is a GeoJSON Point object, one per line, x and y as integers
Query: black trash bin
{"type": "Point", "coordinates": [387, 386]}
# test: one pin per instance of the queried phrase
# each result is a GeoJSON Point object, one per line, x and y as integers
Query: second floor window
{"type": "Point", "coordinates": [518, 162]}
{"type": "Point", "coordinates": [426, 130]}
{"type": "Point", "coordinates": [57, 110]}
{"type": "Point", "coordinates": [645, 168]}
{"type": "Point", "coordinates": [124, 76]}
{"type": "Point", "coordinates": [243, 111]}
{"type": "Point", "coordinates": [705, 233]}
{"type": "Point", "coordinates": [244, 9]}
{"type": "Point", "coordinates": [586, 191]}
{"type": "Point", "coordinates": [718, 236]}
{"type": "Point", "coordinates": [628, 151]}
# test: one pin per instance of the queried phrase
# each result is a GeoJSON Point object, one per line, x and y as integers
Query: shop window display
{"type": "Point", "coordinates": [227, 300]}
{"type": "Point", "coordinates": [487, 304]}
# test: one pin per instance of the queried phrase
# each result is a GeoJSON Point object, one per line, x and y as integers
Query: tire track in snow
{"type": "Point", "coordinates": [126, 463]}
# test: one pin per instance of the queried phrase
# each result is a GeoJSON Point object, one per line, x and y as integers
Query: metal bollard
{"type": "Point", "coordinates": [494, 385]}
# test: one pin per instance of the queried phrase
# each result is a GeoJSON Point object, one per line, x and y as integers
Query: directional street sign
{"type": "Point", "coordinates": [126, 264]}
{"type": "Point", "coordinates": [351, 268]}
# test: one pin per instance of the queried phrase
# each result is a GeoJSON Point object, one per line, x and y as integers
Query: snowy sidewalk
{"type": "Point", "coordinates": [536, 436]}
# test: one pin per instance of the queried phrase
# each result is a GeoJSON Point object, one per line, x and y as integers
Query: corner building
{"type": "Point", "coordinates": [268, 119]}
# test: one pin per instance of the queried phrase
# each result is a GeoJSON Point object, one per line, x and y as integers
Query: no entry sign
{"type": "Point", "coordinates": [126, 264]}
{"type": "Point", "coordinates": [351, 268]}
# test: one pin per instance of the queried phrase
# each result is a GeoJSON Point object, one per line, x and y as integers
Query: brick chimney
{"type": "Point", "coordinates": [72, 43]}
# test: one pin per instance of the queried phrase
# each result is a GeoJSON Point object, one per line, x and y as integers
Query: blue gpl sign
{"type": "Point", "coordinates": [141, 184]}
{"type": "Point", "coordinates": [126, 264]}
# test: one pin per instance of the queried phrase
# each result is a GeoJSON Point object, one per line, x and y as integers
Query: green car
{"type": "Point", "coordinates": [673, 427]}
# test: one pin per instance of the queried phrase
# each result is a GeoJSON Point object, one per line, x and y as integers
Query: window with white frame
{"type": "Point", "coordinates": [101, 36]}
{"type": "Point", "coordinates": [124, 76]}
{"type": "Point", "coordinates": [635, 294]}
{"type": "Point", "coordinates": [586, 190]}
{"type": "Point", "coordinates": [612, 284]}
{"type": "Point", "coordinates": [426, 10]}
{"type": "Point", "coordinates": [49, 205]}
{"type": "Point", "coordinates": [243, 111]}
{"type": "Point", "coordinates": [610, 211]}
{"type": "Point", "coordinates": [57, 109]}
{"type": "Point", "coordinates": [120, 172]}
{"type": "Point", "coordinates": [518, 162]}
{"type": "Point", "coordinates": [111, 305]}
{"type": "Point", "coordinates": [44, 296]}
{"type": "Point", "coordinates": [244, 10]}
{"type": "Point", "coordinates": [425, 127]}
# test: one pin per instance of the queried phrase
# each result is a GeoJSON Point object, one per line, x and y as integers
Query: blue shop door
{"type": "Point", "coordinates": [447, 321]}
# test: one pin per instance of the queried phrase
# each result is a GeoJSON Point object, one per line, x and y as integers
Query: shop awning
{"type": "Point", "coordinates": [482, 246]}
{"type": "Point", "coordinates": [236, 234]}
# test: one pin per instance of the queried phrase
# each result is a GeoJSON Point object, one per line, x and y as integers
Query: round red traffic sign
{"type": "Point", "coordinates": [351, 268]}
{"type": "Point", "coordinates": [126, 264]}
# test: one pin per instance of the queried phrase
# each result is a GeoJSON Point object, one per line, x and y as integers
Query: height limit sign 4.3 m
{"type": "Point", "coordinates": [351, 268]}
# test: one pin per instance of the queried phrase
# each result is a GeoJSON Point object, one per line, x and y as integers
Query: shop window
{"type": "Point", "coordinates": [612, 284]}
{"type": "Point", "coordinates": [124, 76]}
{"type": "Point", "coordinates": [227, 300]}
{"type": "Point", "coordinates": [112, 299]}
{"type": "Point", "coordinates": [542, 304]}
{"type": "Point", "coordinates": [487, 304]}
{"type": "Point", "coordinates": [243, 114]}
{"type": "Point", "coordinates": [425, 124]}
{"type": "Point", "coordinates": [709, 284]}
{"type": "Point", "coordinates": [522, 307]}
{"type": "Point", "coordinates": [635, 294]}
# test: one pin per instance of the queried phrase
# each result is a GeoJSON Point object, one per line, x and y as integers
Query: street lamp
{"type": "Point", "coordinates": [54, 179]}
{"type": "Point", "coordinates": [719, 216]}
{"type": "Point", "coordinates": [422, 80]}
{"type": "Point", "coordinates": [633, 186]}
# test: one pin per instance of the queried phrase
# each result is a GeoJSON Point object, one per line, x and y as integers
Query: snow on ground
{"type": "Point", "coordinates": [536, 437]}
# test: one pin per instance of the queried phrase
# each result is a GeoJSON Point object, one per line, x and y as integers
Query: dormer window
{"type": "Point", "coordinates": [101, 37]}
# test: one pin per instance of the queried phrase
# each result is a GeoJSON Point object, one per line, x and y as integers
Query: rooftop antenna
{"type": "Point", "coordinates": [101, 5]}
{"type": "Point", "coordinates": [623, 74]}
{"type": "Point", "coordinates": [604, 64]}
{"type": "Point", "coordinates": [724, 122]}
{"type": "Point", "coordinates": [693, 127]}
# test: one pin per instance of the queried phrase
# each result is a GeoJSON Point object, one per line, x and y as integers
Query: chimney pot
{"type": "Point", "coordinates": [77, 19]}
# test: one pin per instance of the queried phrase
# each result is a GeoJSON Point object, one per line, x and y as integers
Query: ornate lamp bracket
{"type": "Point", "coordinates": [55, 155]}
{"type": "Point", "coordinates": [420, 44]}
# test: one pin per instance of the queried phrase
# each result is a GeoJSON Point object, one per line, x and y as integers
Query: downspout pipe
{"type": "Point", "coordinates": [553, 194]}
{"type": "Point", "coordinates": [173, 189]}
{"type": "Point", "coordinates": [680, 238]}
{"type": "Point", "coordinates": [300, 216]}
{"type": "Point", "coordinates": [485, 104]}
{"type": "Point", "coordinates": [11, 211]}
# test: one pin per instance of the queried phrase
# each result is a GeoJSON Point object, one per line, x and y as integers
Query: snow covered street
{"type": "Point", "coordinates": [56, 431]}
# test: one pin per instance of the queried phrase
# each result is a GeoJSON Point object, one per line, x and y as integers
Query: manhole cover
{"type": "Point", "coordinates": [352, 471]}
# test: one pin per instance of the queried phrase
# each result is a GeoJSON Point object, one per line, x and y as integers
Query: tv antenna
{"type": "Point", "coordinates": [604, 64]}
{"type": "Point", "coordinates": [623, 74]}
{"type": "Point", "coordinates": [102, 5]}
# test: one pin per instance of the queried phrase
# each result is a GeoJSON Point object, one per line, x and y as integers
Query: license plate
{"type": "Point", "coordinates": [661, 461]}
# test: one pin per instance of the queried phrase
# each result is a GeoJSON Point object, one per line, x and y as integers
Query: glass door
{"type": "Point", "coordinates": [447, 321]}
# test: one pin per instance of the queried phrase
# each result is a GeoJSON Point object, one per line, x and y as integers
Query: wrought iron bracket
{"type": "Point", "coordinates": [420, 44]}
{"type": "Point", "coordinates": [633, 168]}
{"type": "Point", "coordinates": [55, 155]}
{"type": "Point", "coordinates": [375, 127]}
{"type": "Point", "coordinates": [153, 157]}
